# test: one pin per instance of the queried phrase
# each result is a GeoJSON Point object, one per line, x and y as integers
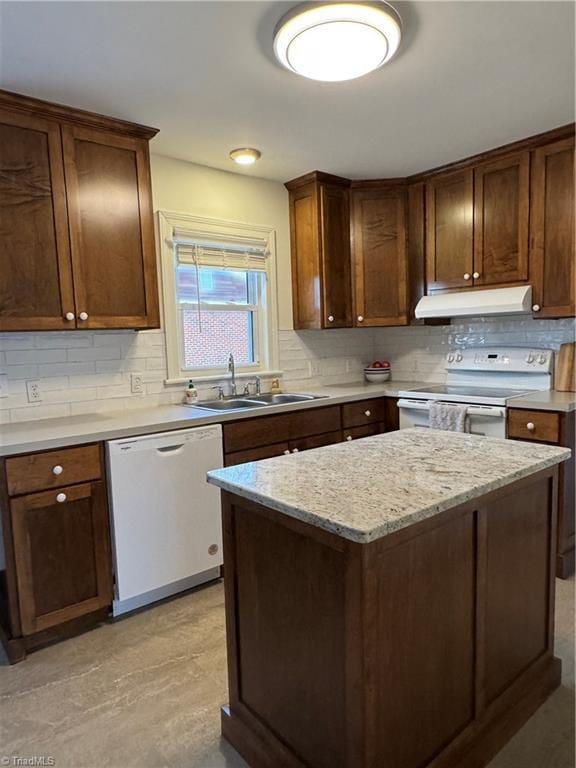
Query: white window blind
{"type": "Point", "coordinates": [230, 253]}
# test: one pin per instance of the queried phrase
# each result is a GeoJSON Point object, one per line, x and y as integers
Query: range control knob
{"type": "Point", "coordinates": [530, 358]}
{"type": "Point", "coordinates": [450, 358]}
{"type": "Point", "coordinates": [458, 357]}
{"type": "Point", "coordinates": [542, 359]}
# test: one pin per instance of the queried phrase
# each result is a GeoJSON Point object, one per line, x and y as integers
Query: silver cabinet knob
{"type": "Point", "coordinates": [83, 315]}
{"type": "Point", "coordinates": [61, 497]}
{"type": "Point", "coordinates": [295, 450]}
{"type": "Point", "coordinates": [330, 318]}
{"type": "Point", "coordinates": [69, 316]}
{"type": "Point", "coordinates": [466, 275]}
{"type": "Point", "coordinates": [360, 319]}
{"type": "Point", "coordinates": [476, 275]}
{"type": "Point", "coordinates": [348, 437]}
{"type": "Point", "coordinates": [530, 426]}
{"type": "Point", "coordinates": [57, 470]}
{"type": "Point", "coordinates": [286, 452]}
{"type": "Point", "coordinates": [535, 307]}
{"type": "Point", "coordinates": [367, 413]}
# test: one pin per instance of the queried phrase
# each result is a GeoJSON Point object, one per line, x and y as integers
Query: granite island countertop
{"type": "Point", "coordinates": [371, 487]}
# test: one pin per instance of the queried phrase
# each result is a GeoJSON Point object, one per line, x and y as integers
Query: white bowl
{"type": "Point", "coordinates": [377, 375]}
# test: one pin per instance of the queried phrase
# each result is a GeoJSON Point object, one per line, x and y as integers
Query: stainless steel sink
{"type": "Point", "coordinates": [228, 405]}
{"type": "Point", "coordinates": [255, 401]}
{"type": "Point", "coordinates": [270, 399]}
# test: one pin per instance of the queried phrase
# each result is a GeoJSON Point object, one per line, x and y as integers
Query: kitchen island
{"type": "Point", "coordinates": [389, 602]}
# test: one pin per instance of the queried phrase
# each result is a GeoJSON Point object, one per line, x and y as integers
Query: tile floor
{"type": "Point", "coordinates": [146, 692]}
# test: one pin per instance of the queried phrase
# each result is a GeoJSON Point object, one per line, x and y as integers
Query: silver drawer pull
{"type": "Point", "coordinates": [367, 413]}
{"type": "Point", "coordinates": [61, 497]}
{"type": "Point", "coordinates": [530, 426]}
{"type": "Point", "coordinates": [57, 470]}
{"type": "Point", "coordinates": [348, 437]}
{"type": "Point", "coordinates": [286, 452]}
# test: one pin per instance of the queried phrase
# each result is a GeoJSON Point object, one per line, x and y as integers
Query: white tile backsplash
{"type": "Point", "coordinates": [89, 372]}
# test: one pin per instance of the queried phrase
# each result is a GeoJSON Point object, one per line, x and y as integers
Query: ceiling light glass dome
{"type": "Point", "coordinates": [337, 41]}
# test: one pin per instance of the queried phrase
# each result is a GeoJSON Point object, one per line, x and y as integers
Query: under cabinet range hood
{"type": "Point", "coordinates": [495, 301]}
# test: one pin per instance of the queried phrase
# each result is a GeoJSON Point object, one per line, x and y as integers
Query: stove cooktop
{"type": "Point", "coordinates": [456, 394]}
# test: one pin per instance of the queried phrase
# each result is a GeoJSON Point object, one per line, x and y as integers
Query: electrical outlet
{"type": "Point", "coordinates": [34, 391]}
{"type": "Point", "coordinates": [3, 385]}
{"type": "Point", "coordinates": [137, 383]}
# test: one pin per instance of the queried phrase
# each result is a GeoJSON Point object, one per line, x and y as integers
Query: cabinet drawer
{"type": "Point", "coordinates": [363, 412]}
{"type": "Point", "coordinates": [541, 426]}
{"type": "Point", "coordinates": [269, 430]}
{"type": "Point", "coordinates": [356, 432]}
{"type": "Point", "coordinates": [256, 454]}
{"type": "Point", "coordinates": [52, 469]}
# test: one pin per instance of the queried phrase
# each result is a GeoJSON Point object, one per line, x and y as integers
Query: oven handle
{"type": "Point", "coordinates": [491, 411]}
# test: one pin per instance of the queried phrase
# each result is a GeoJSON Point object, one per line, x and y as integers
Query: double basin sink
{"type": "Point", "coordinates": [255, 401]}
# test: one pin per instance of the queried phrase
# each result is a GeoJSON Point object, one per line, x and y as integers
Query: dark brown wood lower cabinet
{"type": "Point", "coordinates": [268, 436]}
{"type": "Point", "coordinates": [427, 648]}
{"type": "Point", "coordinates": [61, 540]}
{"type": "Point", "coordinates": [555, 428]}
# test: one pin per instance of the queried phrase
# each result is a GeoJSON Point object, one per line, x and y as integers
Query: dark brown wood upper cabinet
{"type": "Point", "coordinates": [449, 231]}
{"type": "Point", "coordinates": [379, 255]}
{"type": "Point", "coordinates": [35, 274]}
{"type": "Point", "coordinates": [501, 210]}
{"type": "Point", "coordinates": [76, 228]}
{"type": "Point", "coordinates": [552, 247]}
{"type": "Point", "coordinates": [320, 247]}
{"type": "Point", "coordinates": [111, 229]}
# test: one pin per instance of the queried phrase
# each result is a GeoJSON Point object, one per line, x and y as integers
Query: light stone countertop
{"type": "Point", "coordinates": [368, 488]}
{"type": "Point", "coordinates": [545, 401]}
{"type": "Point", "coordinates": [46, 434]}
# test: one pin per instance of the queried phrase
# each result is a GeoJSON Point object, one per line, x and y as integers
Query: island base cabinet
{"type": "Point", "coordinates": [427, 648]}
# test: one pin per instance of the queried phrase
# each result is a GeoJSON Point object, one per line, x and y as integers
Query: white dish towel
{"type": "Point", "coordinates": [450, 417]}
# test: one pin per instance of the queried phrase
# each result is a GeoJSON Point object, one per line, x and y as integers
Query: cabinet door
{"type": "Point", "coordinates": [256, 454]}
{"type": "Point", "coordinates": [63, 565]}
{"type": "Point", "coordinates": [315, 441]}
{"type": "Point", "coordinates": [111, 229]}
{"type": "Point", "coordinates": [336, 265]}
{"type": "Point", "coordinates": [552, 255]}
{"type": "Point", "coordinates": [501, 208]}
{"type": "Point", "coordinates": [449, 231]}
{"type": "Point", "coordinates": [379, 256]}
{"type": "Point", "coordinates": [35, 275]}
{"type": "Point", "coordinates": [305, 250]}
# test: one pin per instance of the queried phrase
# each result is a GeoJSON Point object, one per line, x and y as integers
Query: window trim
{"type": "Point", "coordinates": [168, 223]}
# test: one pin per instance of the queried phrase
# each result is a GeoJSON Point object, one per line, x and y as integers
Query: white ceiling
{"type": "Point", "coordinates": [469, 76]}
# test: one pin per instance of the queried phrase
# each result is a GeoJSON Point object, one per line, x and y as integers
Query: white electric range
{"type": "Point", "coordinates": [484, 379]}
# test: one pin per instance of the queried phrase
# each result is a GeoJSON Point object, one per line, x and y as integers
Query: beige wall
{"type": "Point", "coordinates": [195, 189]}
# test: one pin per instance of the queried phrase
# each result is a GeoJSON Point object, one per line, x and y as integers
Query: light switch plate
{"type": "Point", "coordinates": [3, 385]}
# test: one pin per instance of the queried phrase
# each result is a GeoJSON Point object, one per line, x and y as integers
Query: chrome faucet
{"type": "Point", "coordinates": [232, 372]}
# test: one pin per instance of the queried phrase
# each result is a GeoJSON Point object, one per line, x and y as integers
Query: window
{"type": "Point", "coordinates": [218, 297]}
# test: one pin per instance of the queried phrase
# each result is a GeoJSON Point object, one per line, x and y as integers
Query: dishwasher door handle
{"type": "Point", "coordinates": [170, 448]}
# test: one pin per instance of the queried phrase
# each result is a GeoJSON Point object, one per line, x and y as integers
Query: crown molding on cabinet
{"type": "Point", "coordinates": [64, 114]}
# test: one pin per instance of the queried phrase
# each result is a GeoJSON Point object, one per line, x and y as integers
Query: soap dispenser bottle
{"type": "Point", "coordinates": [191, 394]}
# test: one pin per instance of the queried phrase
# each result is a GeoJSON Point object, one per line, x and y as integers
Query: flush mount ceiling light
{"type": "Point", "coordinates": [337, 41]}
{"type": "Point", "coordinates": [245, 155]}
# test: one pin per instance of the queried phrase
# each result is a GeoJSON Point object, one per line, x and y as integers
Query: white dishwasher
{"type": "Point", "coordinates": [166, 521]}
